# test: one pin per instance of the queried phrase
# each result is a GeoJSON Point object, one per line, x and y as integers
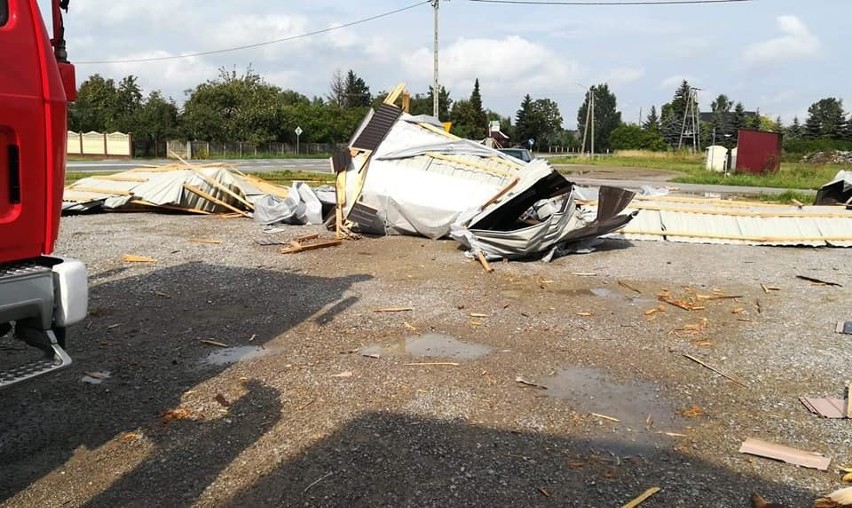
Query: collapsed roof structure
{"type": "Point", "coordinates": [203, 189]}
{"type": "Point", "coordinates": [404, 174]}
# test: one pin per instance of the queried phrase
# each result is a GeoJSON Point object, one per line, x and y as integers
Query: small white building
{"type": "Point", "coordinates": [716, 158]}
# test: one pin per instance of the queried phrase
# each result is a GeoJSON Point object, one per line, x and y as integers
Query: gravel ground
{"type": "Point", "coordinates": [305, 417]}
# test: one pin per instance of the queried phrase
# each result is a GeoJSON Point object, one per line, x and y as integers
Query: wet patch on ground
{"type": "Point", "coordinates": [430, 345]}
{"type": "Point", "coordinates": [643, 412]}
{"type": "Point", "coordinates": [229, 355]}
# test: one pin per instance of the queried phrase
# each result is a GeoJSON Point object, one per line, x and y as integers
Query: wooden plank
{"type": "Point", "coordinates": [142, 202]}
{"type": "Point", "coordinates": [642, 497]}
{"type": "Point", "coordinates": [394, 94]}
{"type": "Point", "coordinates": [121, 177]}
{"type": "Point", "coordinates": [305, 238]}
{"type": "Point", "coordinates": [438, 130]}
{"type": "Point", "coordinates": [785, 454]}
{"type": "Point", "coordinates": [310, 246]}
{"type": "Point", "coordinates": [212, 199]}
{"type": "Point", "coordinates": [484, 262]}
{"type": "Point", "coordinates": [469, 164]}
{"type": "Point", "coordinates": [213, 183]}
{"type": "Point", "coordinates": [502, 192]}
{"type": "Point", "coordinates": [99, 190]}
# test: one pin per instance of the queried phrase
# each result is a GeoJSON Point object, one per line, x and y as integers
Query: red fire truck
{"type": "Point", "coordinates": [40, 294]}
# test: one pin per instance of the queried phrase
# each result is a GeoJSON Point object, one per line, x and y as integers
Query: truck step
{"type": "Point", "coordinates": [58, 360]}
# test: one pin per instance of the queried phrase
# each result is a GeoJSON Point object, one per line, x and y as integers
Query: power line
{"type": "Point", "coordinates": [260, 44]}
{"type": "Point", "coordinates": [617, 2]}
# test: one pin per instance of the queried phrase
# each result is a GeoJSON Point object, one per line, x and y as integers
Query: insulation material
{"type": "Point", "coordinates": [204, 189]}
{"type": "Point", "coordinates": [302, 206]}
{"type": "Point", "coordinates": [697, 220]}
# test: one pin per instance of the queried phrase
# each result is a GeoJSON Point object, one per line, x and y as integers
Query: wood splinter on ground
{"type": "Point", "coordinates": [628, 286]}
{"type": "Point", "coordinates": [394, 309]}
{"type": "Point", "coordinates": [308, 242]}
{"type": "Point", "coordinates": [642, 497]}
{"type": "Point", "coordinates": [605, 417]}
{"type": "Point", "coordinates": [133, 258]}
{"type": "Point", "coordinates": [717, 371]}
{"type": "Point", "coordinates": [419, 364]}
{"type": "Point", "coordinates": [212, 342]}
{"type": "Point", "coordinates": [484, 262]}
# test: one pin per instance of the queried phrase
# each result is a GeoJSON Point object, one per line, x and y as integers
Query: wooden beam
{"type": "Point", "coordinates": [215, 184]}
{"type": "Point", "coordinates": [98, 190]}
{"type": "Point", "coordinates": [213, 199]}
{"type": "Point", "coordinates": [310, 246]}
{"type": "Point", "coordinates": [395, 93]}
{"type": "Point", "coordinates": [502, 192]}
{"type": "Point", "coordinates": [469, 164]}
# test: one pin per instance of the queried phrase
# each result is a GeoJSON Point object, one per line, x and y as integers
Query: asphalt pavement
{"type": "Point", "coordinates": [322, 166]}
{"type": "Point", "coordinates": [246, 165]}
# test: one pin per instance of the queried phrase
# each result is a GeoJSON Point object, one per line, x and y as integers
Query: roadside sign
{"type": "Point", "coordinates": [299, 131]}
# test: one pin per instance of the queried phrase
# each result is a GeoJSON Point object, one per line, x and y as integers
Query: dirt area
{"type": "Point", "coordinates": [318, 400]}
{"type": "Point", "coordinates": [617, 172]}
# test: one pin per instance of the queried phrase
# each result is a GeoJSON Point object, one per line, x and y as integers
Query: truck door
{"type": "Point", "coordinates": [23, 168]}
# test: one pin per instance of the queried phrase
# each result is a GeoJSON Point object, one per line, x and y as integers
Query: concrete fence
{"type": "Point", "coordinates": [113, 144]}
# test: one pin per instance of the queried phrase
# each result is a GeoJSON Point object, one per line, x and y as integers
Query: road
{"type": "Point", "coordinates": [631, 178]}
{"type": "Point", "coordinates": [246, 165]}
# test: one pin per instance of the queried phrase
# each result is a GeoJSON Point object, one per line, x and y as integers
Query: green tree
{"type": "Point", "coordinates": [156, 123]}
{"type": "Point", "coordinates": [794, 131]}
{"type": "Point", "coordinates": [95, 107]}
{"type": "Point", "coordinates": [523, 123]}
{"type": "Point", "coordinates": [826, 119]}
{"type": "Point", "coordinates": [652, 121]}
{"type": "Point", "coordinates": [634, 137]}
{"type": "Point", "coordinates": [356, 93]}
{"type": "Point", "coordinates": [421, 104]}
{"type": "Point", "coordinates": [234, 108]}
{"type": "Point", "coordinates": [738, 120]}
{"type": "Point", "coordinates": [607, 117]}
{"type": "Point", "coordinates": [468, 117]}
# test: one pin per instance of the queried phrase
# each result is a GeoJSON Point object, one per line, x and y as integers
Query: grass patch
{"type": "Point", "coordinates": [288, 176]}
{"type": "Point", "coordinates": [788, 197]}
{"type": "Point", "coordinates": [670, 161]}
{"type": "Point", "coordinates": [73, 176]}
{"type": "Point", "coordinates": [793, 175]}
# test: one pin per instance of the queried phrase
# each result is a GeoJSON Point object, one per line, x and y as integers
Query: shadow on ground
{"type": "Point", "coordinates": [146, 331]}
{"type": "Point", "coordinates": [388, 459]}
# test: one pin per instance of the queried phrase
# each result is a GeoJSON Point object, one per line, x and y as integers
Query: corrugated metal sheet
{"type": "Point", "coordinates": [758, 151]}
{"type": "Point", "coordinates": [713, 221]}
{"type": "Point", "coordinates": [377, 128]}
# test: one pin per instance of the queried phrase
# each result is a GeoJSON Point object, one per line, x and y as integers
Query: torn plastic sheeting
{"type": "Point", "coordinates": [302, 206]}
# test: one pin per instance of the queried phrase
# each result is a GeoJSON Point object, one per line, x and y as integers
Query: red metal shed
{"type": "Point", "coordinates": [758, 151]}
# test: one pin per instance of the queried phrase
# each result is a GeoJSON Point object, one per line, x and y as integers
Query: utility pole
{"type": "Point", "coordinates": [436, 91]}
{"type": "Point", "coordinates": [690, 115]}
{"type": "Point", "coordinates": [590, 121]}
{"type": "Point", "coordinates": [593, 121]}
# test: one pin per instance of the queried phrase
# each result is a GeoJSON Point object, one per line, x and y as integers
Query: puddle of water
{"type": "Point", "coordinates": [603, 292]}
{"type": "Point", "coordinates": [229, 355]}
{"type": "Point", "coordinates": [592, 391]}
{"type": "Point", "coordinates": [431, 345]}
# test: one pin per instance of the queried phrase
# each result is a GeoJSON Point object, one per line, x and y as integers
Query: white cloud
{"type": "Point", "coordinates": [622, 76]}
{"type": "Point", "coordinates": [674, 81]}
{"type": "Point", "coordinates": [796, 43]}
{"type": "Point", "coordinates": [513, 63]}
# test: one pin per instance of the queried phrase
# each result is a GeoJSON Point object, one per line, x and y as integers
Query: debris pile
{"type": "Point", "coordinates": [404, 174]}
{"type": "Point", "coordinates": [204, 189]}
{"type": "Point", "coordinates": [837, 191]}
{"type": "Point", "coordinates": [831, 157]}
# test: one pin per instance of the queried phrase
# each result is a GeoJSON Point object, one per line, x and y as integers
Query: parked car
{"type": "Point", "coordinates": [518, 153]}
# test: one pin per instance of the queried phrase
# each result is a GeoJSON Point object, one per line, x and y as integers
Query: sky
{"type": "Point", "coordinates": [778, 56]}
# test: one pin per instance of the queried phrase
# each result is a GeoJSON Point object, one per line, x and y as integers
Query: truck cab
{"type": "Point", "coordinates": [40, 294]}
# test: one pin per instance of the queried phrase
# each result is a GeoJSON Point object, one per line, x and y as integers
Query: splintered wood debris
{"type": "Point", "coordinates": [828, 407]}
{"type": "Point", "coordinates": [786, 454]}
{"type": "Point", "coordinates": [308, 242]}
{"type": "Point", "coordinates": [133, 258]}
